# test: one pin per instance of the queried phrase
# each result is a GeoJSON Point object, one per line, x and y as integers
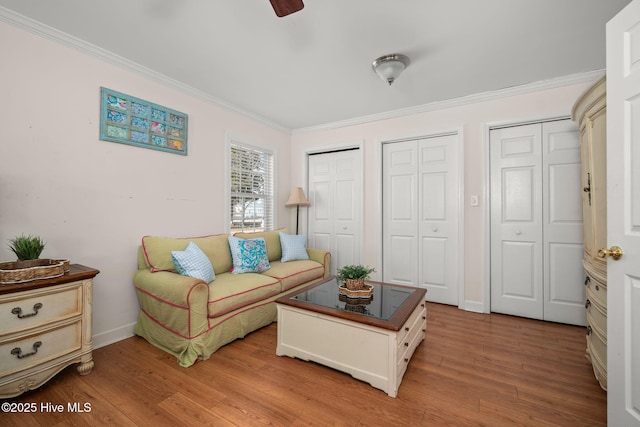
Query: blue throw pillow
{"type": "Point", "coordinates": [193, 262]}
{"type": "Point", "coordinates": [293, 247]}
{"type": "Point", "coordinates": [249, 255]}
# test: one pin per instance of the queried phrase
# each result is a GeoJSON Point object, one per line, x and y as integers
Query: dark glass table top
{"type": "Point", "coordinates": [388, 307]}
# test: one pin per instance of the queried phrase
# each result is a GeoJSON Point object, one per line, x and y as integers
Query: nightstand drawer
{"type": "Point", "coordinates": [25, 310]}
{"type": "Point", "coordinates": [17, 355]}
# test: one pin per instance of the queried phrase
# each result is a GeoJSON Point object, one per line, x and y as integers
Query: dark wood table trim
{"type": "Point", "coordinates": [394, 323]}
{"type": "Point", "coordinates": [76, 272]}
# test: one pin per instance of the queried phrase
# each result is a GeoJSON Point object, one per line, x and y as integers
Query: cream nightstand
{"type": "Point", "coordinates": [45, 326]}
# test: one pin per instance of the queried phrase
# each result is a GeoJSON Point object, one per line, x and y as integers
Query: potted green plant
{"type": "Point", "coordinates": [353, 276]}
{"type": "Point", "coordinates": [27, 247]}
{"type": "Point", "coordinates": [29, 265]}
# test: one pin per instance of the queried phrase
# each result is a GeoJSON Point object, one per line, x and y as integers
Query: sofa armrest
{"type": "Point", "coordinates": [323, 257]}
{"type": "Point", "coordinates": [177, 303]}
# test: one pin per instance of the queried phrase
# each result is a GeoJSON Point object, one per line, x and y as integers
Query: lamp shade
{"type": "Point", "coordinates": [297, 198]}
{"type": "Point", "coordinates": [389, 67]}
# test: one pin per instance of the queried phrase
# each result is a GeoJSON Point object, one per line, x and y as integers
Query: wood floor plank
{"type": "Point", "coordinates": [190, 413]}
{"type": "Point", "coordinates": [472, 369]}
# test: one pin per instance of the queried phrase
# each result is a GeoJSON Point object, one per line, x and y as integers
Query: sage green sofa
{"type": "Point", "coordinates": [190, 318]}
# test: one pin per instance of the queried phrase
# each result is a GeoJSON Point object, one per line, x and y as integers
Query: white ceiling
{"type": "Point", "coordinates": [313, 68]}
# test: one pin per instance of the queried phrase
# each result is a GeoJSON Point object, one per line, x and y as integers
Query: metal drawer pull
{"type": "Point", "coordinates": [18, 351]}
{"type": "Point", "coordinates": [18, 311]}
{"type": "Point", "coordinates": [587, 304]}
{"type": "Point", "coordinates": [589, 329]}
{"type": "Point", "coordinates": [406, 344]}
{"type": "Point", "coordinates": [406, 328]}
{"type": "Point", "coordinates": [587, 280]}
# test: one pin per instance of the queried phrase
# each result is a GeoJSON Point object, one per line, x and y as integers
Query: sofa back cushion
{"type": "Point", "coordinates": [157, 251]}
{"type": "Point", "coordinates": [272, 237]}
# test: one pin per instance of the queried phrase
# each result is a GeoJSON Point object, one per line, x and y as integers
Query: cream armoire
{"type": "Point", "coordinates": [589, 112]}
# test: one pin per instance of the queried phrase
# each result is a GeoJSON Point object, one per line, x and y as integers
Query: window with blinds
{"type": "Point", "coordinates": [251, 192]}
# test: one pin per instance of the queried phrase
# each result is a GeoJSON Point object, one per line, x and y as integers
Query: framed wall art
{"type": "Point", "coordinates": [133, 121]}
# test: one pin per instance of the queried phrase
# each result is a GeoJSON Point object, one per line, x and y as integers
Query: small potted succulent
{"type": "Point", "coordinates": [27, 247]}
{"type": "Point", "coordinates": [29, 265]}
{"type": "Point", "coordinates": [353, 276]}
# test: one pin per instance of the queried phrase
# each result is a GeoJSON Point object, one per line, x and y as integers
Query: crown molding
{"type": "Point", "coordinates": [50, 33]}
{"type": "Point", "coordinates": [586, 77]}
{"type": "Point", "coordinates": [58, 36]}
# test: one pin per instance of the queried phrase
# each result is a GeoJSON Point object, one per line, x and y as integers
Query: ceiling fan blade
{"type": "Point", "coordinates": [286, 7]}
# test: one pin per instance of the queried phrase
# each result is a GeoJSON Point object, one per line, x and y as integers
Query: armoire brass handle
{"type": "Point", "coordinates": [587, 189]}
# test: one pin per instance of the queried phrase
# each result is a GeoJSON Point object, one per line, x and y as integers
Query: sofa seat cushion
{"type": "Point", "coordinates": [233, 291]}
{"type": "Point", "coordinates": [294, 273]}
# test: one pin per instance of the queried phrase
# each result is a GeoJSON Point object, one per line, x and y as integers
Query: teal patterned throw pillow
{"type": "Point", "coordinates": [249, 255]}
{"type": "Point", "coordinates": [193, 262]}
{"type": "Point", "coordinates": [293, 247]}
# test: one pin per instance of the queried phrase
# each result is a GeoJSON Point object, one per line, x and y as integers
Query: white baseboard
{"type": "Point", "coordinates": [475, 306]}
{"type": "Point", "coordinates": [114, 335]}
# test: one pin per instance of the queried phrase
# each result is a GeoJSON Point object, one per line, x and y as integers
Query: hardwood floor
{"type": "Point", "coordinates": [471, 370]}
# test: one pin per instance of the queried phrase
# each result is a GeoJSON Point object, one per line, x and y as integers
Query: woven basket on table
{"type": "Point", "coordinates": [354, 284]}
{"type": "Point", "coordinates": [65, 264]}
{"type": "Point", "coordinates": [25, 271]}
{"type": "Point", "coordinates": [366, 292]}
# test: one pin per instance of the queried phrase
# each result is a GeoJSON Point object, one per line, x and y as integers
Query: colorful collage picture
{"type": "Point", "coordinates": [133, 121]}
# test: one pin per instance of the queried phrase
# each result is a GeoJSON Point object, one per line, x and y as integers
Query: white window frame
{"type": "Point", "coordinates": [269, 194]}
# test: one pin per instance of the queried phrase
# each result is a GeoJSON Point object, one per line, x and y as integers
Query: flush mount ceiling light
{"type": "Point", "coordinates": [389, 67]}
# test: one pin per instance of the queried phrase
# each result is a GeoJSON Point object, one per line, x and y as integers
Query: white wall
{"type": "Point", "coordinates": [474, 120]}
{"type": "Point", "coordinates": [93, 200]}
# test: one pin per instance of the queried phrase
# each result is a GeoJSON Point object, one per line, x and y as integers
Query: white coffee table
{"type": "Point", "coordinates": [373, 340]}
